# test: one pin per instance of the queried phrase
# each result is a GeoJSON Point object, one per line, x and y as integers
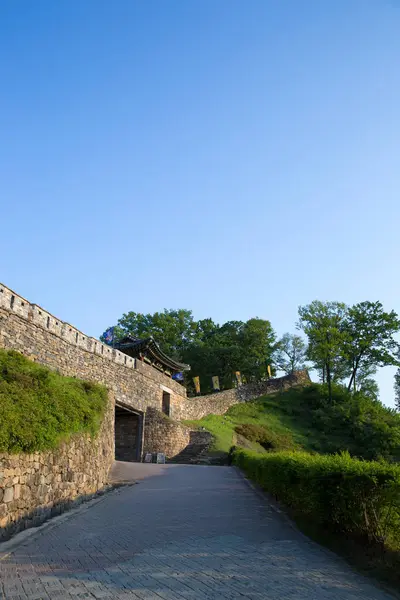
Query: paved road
{"type": "Point", "coordinates": [181, 533]}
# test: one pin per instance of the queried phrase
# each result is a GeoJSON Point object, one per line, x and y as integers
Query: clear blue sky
{"type": "Point", "coordinates": [235, 158]}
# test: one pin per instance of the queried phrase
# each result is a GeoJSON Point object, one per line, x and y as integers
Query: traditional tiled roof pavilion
{"type": "Point", "coordinates": [150, 352]}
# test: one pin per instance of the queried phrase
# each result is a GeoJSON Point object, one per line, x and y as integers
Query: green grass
{"type": "Point", "coordinates": [303, 419]}
{"type": "Point", "coordinates": [39, 408]}
{"type": "Point", "coordinates": [262, 412]}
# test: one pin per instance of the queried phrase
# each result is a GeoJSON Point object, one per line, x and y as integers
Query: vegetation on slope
{"type": "Point", "coordinates": [39, 407]}
{"type": "Point", "coordinates": [305, 419]}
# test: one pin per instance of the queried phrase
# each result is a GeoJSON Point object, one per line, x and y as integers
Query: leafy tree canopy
{"type": "Point", "coordinates": [290, 353]}
{"type": "Point", "coordinates": [210, 348]}
{"type": "Point", "coordinates": [350, 342]}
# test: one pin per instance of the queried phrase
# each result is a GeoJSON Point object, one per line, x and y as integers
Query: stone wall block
{"type": "Point", "coordinates": [8, 495]}
{"type": "Point", "coordinates": [3, 521]}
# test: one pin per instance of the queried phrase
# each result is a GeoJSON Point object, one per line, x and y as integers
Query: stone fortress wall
{"type": "Point", "coordinates": [46, 339]}
{"type": "Point", "coordinates": [218, 403]}
{"type": "Point", "coordinates": [34, 486]}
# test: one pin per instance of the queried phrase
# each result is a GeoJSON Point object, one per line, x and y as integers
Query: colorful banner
{"type": "Point", "coordinates": [238, 378]}
{"type": "Point", "coordinates": [196, 381]}
{"type": "Point", "coordinates": [215, 383]}
{"type": "Point", "coordinates": [269, 370]}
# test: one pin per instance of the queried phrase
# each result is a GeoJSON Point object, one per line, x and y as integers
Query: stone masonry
{"type": "Point", "coordinates": [32, 487]}
{"type": "Point", "coordinates": [163, 434]}
{"type": "Point", "coordinates": [218, 403]}
{"type": "Point", "coordinates": [36, 486]}
{"type": "Point", "coordinates": [42, 337]}
{"type": "Point", "coordinates": [46, 339]}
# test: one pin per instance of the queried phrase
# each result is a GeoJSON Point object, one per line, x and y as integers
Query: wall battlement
{"type": "Point", "coordinates": [38, 316]}
{"type": "Point", "coordinates": [13, 302]}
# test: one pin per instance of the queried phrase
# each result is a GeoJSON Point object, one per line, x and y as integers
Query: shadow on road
{"type": "Point", "coordinates": [183, 532]}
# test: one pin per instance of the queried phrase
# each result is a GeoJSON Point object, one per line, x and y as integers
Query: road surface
{"type": "Point", "coordinates": [182, 533]}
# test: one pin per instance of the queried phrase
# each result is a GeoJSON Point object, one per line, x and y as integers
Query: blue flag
{"type": "Point", "coordinates": [108, 335]}
{"type": "Point", "coordinates": [177, 376]}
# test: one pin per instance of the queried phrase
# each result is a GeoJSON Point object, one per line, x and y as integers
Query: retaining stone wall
{"type": "Point", "coordinates": [34, 487]}
{"type": "Point", "coordinates": [163, 434]}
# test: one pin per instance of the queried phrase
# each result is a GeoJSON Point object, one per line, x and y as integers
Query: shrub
{"type": "Point", "coordinates": [346, 495]}
{"type": "Point", "coordinates": [39, 408]}
{"type": "Point", "coordinates": [251, 431]}
{"type": "Point", "coordinates": [269, 439]}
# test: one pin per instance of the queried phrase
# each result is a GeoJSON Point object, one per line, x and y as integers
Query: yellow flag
{"type": "Point", "coordinates": [269, 370]}
{"type": "Point", "coordinates": [238, 378]}
{"type": "Point", "coordinates": [215, 382]}
{"type": "Point", "coordinates": [196, 381]}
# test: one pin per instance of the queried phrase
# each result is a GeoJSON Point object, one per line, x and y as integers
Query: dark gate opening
{"type": "Point", "coordinates": [127, 435]}
{"type": "Point", "coordinates": [166, 403]}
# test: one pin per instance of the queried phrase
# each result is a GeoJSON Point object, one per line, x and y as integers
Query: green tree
{"type": "Point", "coordinates": [174, 330]}
{"type": "Point", "coordinates": [397, 389]}
{"type": "Point", "coordinates": [209, 348]}
{"type": "Point", "coordinates": [323, 323]}
{"type": "Point", "coordinates": [369, 340]}
{"type": "Point", "coordinates": [234, 346]}
{"type": "Point", "coordinates": [257, 343]}
{"type": "Point", "coordinates": [206, 331]}
{"type": "Point", "coordinates": [290, 354]}
{"type": "Point", "coordinates": [215, 351]}
{"type": "Point", "coordinates": [369, 387]}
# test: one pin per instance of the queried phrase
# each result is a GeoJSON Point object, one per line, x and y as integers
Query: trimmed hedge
{"type": "Point", "coordinates": [39, 407]}
{"type": "Point", "coordinates": [345, 495]}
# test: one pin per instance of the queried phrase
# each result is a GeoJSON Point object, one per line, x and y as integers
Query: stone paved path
{"type": "Point", "coordinates": [182, 533]}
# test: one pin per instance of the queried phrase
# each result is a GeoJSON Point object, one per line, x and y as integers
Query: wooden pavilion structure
{"type": "Point", "coordinates": [150, 352]}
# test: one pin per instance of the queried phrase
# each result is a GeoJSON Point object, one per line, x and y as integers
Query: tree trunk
{"type": "Point", "coordinates": [329, 380]}
{"type": "Point", "coordinates": [352, 380]}
{"type": "Point", "coordinates": [353, 374]}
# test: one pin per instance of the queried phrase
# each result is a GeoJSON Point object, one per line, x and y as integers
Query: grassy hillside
{"type": "Point", "coordinates": [39, 408]}
{"type": "Point", "coordinates": [303, 419]}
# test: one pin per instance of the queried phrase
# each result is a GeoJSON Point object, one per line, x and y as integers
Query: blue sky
{"type": "Point", "coordinates": [236, 158]}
